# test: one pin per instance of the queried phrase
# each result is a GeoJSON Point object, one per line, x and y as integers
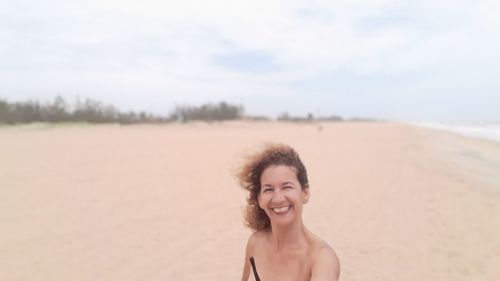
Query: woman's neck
{"type": "Point", "coordinates": [288, 237]}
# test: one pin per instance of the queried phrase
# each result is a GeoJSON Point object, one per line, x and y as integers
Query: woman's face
{"type": "Point", "coordinates": [281, 195]}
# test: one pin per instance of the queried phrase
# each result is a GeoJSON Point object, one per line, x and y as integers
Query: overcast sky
{"type": "Point", "coordinates": [404, 60]}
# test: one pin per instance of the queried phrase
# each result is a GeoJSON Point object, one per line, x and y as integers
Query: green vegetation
{"type": "Point", "coordinates": [207, 112]}
{"type": "Point", "coordinates": [309, 118]}
{"type": "Point", "coordinates": [58, 111]}
{"type": "Point", "coordinates": [91, 111]}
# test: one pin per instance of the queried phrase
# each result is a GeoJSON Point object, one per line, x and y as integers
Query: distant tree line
{"type": "Point", "coordinates": [286, 117]}
{"type": "Point", "coordinates": [93, 111]}
{"type": "Point", "coordinates": [308, 118]}
{"type": "Point", "coordinates": [59, 111]}
{"type": "Point", "coordinates": [207, 112]}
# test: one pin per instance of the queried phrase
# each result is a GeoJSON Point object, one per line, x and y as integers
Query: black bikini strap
{"type": "Point", "coordinates": [252, 262]}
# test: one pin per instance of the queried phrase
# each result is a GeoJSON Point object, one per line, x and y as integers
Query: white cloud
{"type": "Point", "coordinates": [174, 51]}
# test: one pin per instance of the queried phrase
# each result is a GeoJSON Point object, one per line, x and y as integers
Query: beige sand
{"type": "Point", "coordinates": [160, 202]}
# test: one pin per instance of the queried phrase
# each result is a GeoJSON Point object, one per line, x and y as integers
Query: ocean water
{"type": "Point", "coordinates": [487, 131]}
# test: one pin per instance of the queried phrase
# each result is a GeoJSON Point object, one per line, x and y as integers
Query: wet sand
{"type": "Point", "coordinates": [160, 202]}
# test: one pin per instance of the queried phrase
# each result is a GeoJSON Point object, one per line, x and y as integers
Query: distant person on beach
{"type": "Point", "coordinates": [281, 247]}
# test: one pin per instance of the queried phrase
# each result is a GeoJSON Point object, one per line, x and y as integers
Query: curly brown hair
{"type": "Point", "coordinates": [249, 178]}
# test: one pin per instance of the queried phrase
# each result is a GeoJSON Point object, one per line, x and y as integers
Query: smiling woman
{"type": "Point", "coordinates": [281, 247]}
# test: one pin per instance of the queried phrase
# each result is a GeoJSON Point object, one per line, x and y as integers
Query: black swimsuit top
{"type": "Point", "coordinates": [254, 268]}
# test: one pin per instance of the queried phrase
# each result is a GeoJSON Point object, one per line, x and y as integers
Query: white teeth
{"type": "Point", "coordinates": [280, 210]}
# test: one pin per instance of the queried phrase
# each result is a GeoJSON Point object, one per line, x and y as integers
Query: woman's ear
{"type": "Point", "coordinates": [306, 194]}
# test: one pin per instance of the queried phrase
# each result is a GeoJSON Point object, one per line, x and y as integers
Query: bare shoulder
{"type": "Point", "coordinates": [255, 240]}
{"type": "Point", "coordinates": [325, 263]}
{"type": "Point", "coordinates": [252, 244]}
{"type": "Point", "coordinates": [323, 251]}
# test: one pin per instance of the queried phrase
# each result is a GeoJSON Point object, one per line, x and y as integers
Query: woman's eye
{"type": "Point", "coordinates": [287, 187]}
{"type": "Point", "coordinates": [267, 189]}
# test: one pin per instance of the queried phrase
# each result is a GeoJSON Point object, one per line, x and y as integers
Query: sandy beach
{"type": "Point", "coordinates": [146, 202]}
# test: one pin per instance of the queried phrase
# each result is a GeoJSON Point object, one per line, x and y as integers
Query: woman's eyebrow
{"type": "Point", "coordinates": [287, 182]}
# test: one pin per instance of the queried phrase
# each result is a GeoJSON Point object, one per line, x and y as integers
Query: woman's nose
{"type": "Point", "coordinates": [278, 197]}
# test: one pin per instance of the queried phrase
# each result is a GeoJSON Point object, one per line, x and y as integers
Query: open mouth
{"type": "Point", "coordinates": [282, 211]}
